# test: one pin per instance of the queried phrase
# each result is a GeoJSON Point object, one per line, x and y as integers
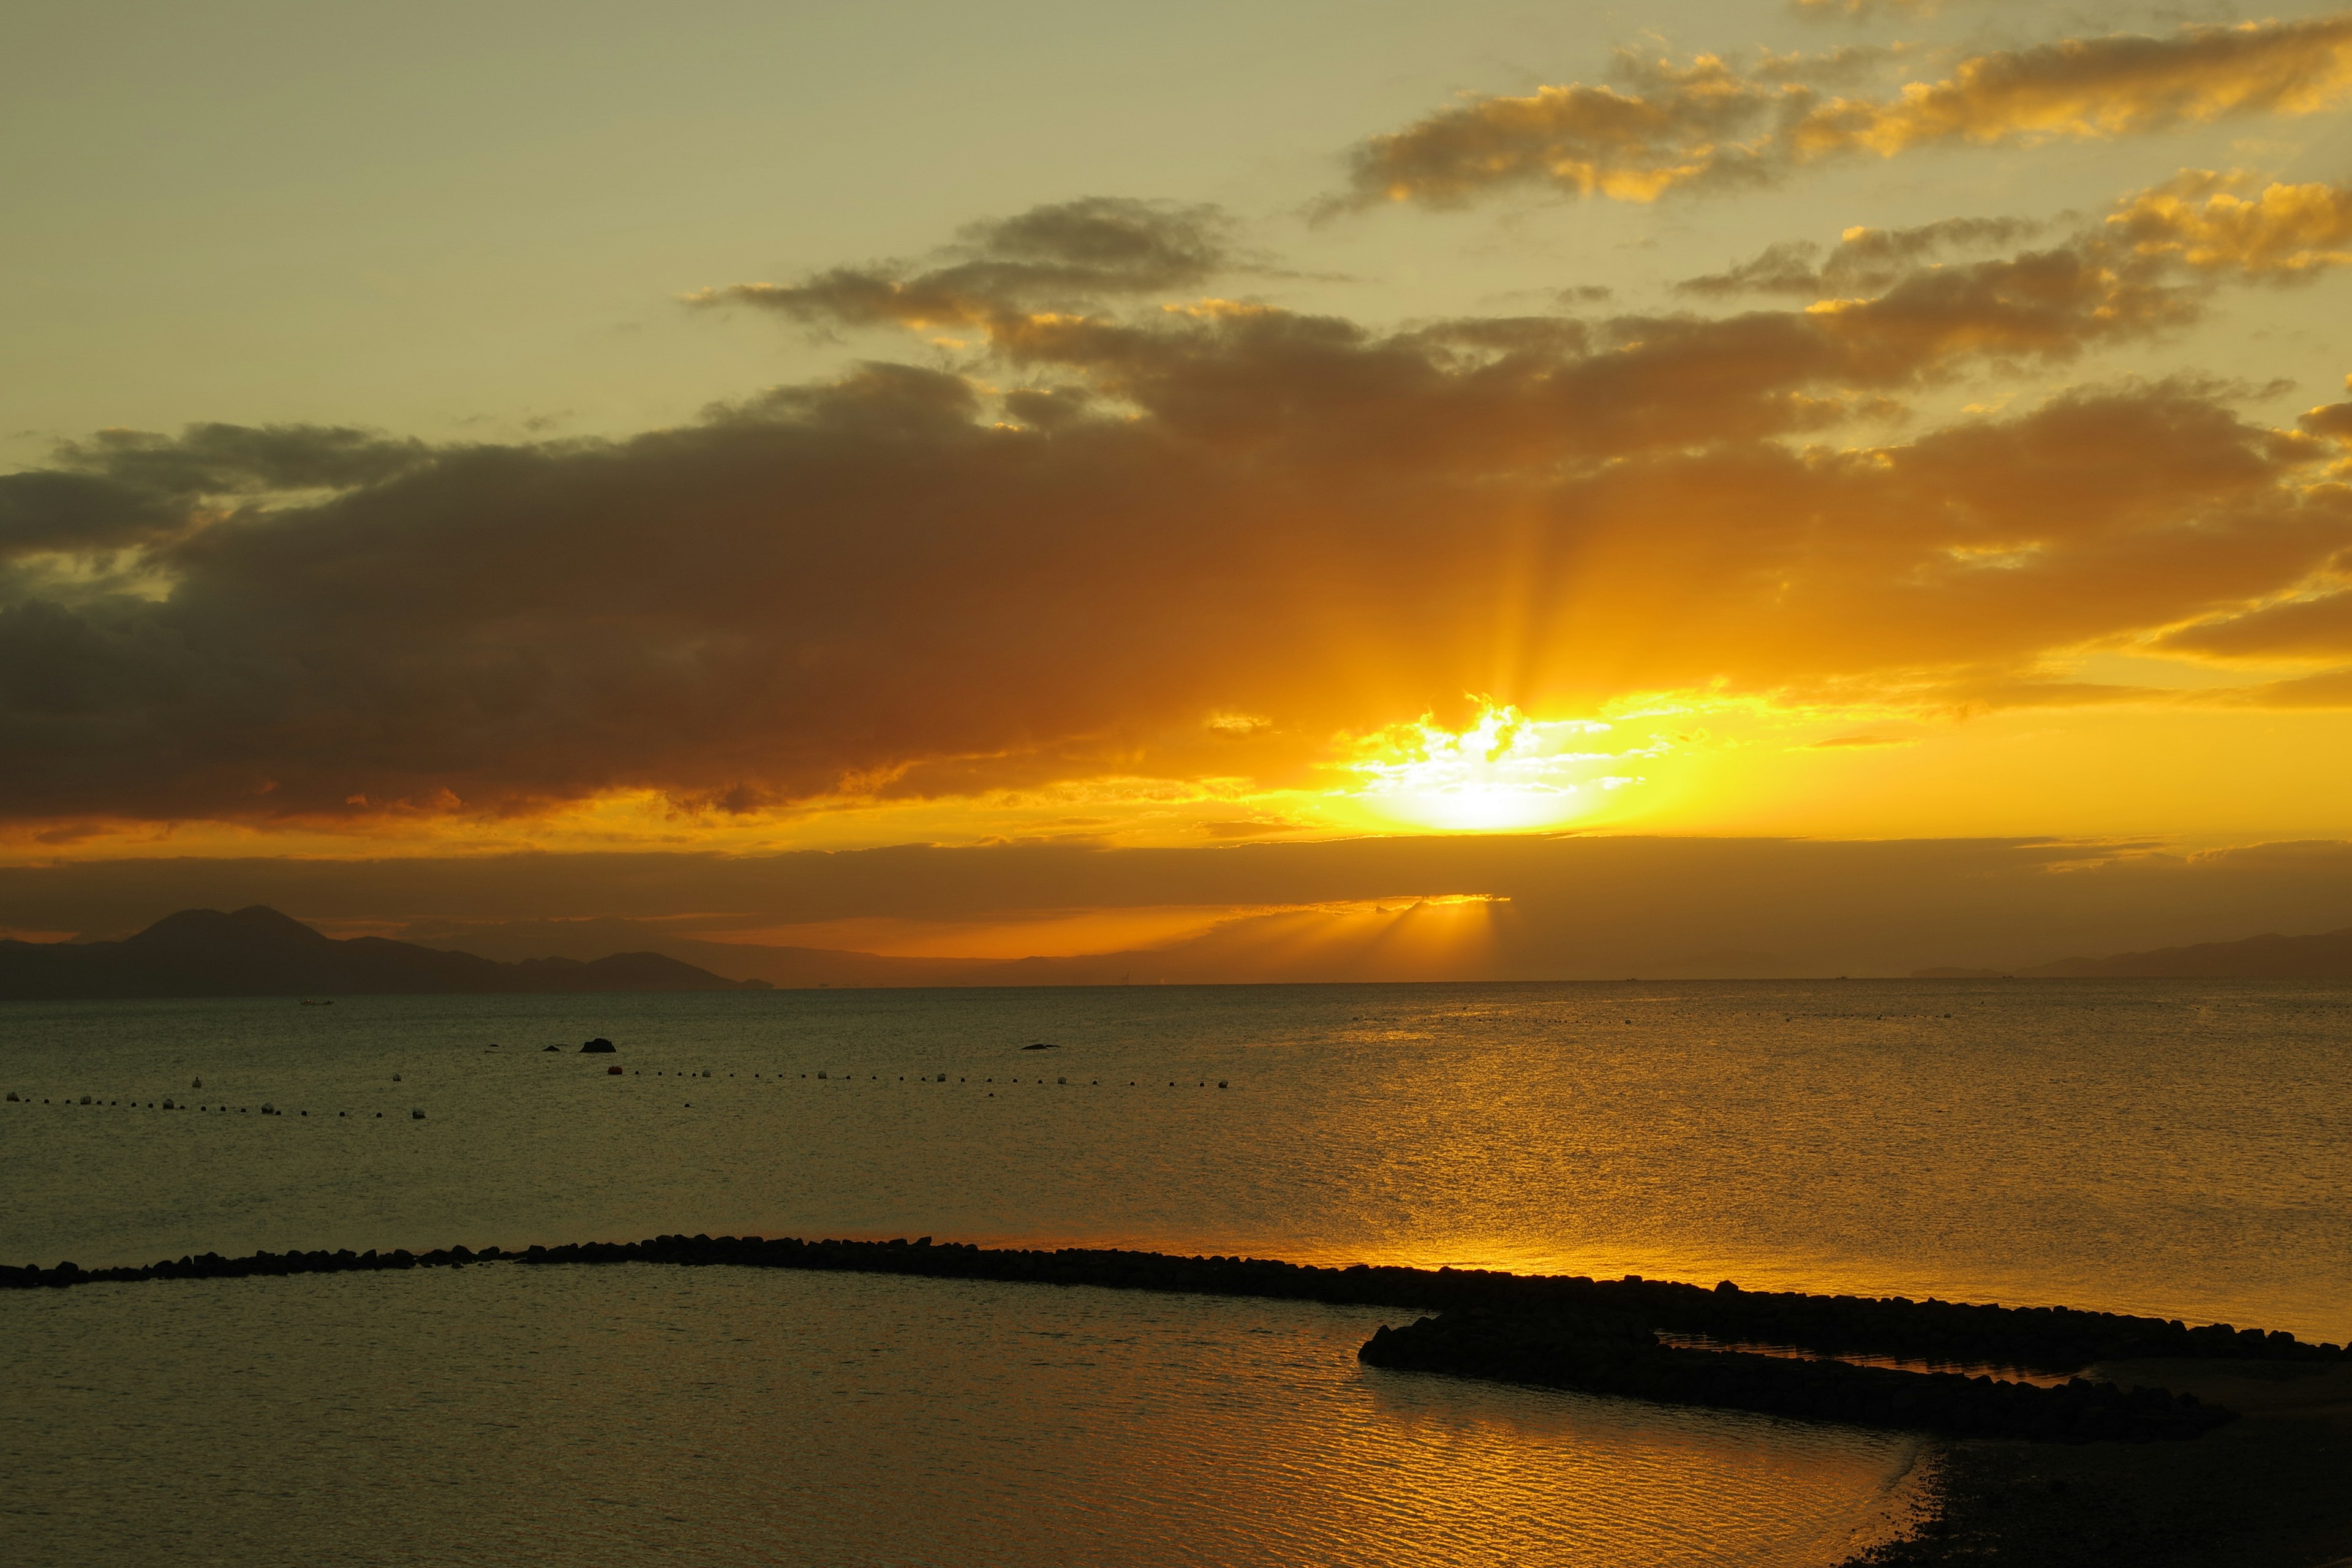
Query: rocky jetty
{"type": "Point", "coordinates": [1601, 1353]}
{"type": "Point", "coordinates": [2046, 1338]}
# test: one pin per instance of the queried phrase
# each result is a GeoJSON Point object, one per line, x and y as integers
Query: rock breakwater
{"type": "Point", "coordinates": [2049, 1339]}
{"type": "Point", "coordinates": [1617, 1355]}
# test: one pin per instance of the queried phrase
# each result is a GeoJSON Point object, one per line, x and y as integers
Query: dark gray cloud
{"type": "Point", "coordinates": [1864, 261]}
{"type": "Point", "coordinates": [1067, 254]}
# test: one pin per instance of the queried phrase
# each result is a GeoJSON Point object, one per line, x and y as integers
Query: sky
{"type": "Point", "coordinates": [514, 447]}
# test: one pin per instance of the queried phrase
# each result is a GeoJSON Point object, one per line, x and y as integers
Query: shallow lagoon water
{"type": "Point", "coordinates": [2169, 1147]}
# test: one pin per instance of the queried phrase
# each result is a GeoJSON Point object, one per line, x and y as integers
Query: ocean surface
{"type": "Point", "coordinates": [2178, 1148]}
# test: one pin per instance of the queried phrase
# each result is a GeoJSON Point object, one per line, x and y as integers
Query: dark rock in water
{"type": "Point", "coordinates": [598, 1047]}
{"type": "Point", "coordinates": [1041, 1045]}
{"type": "Point", "coordinates": [555, 1047]}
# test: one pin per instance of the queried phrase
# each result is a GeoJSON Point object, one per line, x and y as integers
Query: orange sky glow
{"type": "Point", "coordinates": [1812, 423]}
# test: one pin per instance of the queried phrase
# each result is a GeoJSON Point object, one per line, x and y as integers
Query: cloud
{"type": "Point", "coordinates": [2280, 232]}
{"type": "Point", "coordinates": [870, 588]}
{"type": "Point", "coordinates": [2301, 628]}
{"type": "Point", "coordinates": [1864, 261]}
{"type": "Point", "coordinates": [1713, 126]}
{"type": "Point", "coordinates": [1866, 10]}
{"type": "Point", "coordinates": [121, 487]}
{"type": "Point", "coordinates": [1066, 255]}
{"type": "Point", "coordinates": [1063, 567]}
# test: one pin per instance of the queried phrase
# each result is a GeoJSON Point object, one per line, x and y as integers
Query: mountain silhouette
{"type": "Point", "coordinates": [258, 952]}
{"type": "Point", "coordinates": [2326, 956]}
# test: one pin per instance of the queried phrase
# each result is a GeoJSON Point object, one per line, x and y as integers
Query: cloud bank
{"type": "Point", "coordinates": [1078, 557]}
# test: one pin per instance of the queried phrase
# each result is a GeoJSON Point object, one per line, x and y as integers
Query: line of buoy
{"type": "Point", "coordinates": [269, 1109]}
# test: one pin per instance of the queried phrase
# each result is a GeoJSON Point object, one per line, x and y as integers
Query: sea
{"type": "Point", "coordinates": [2177, 1148]}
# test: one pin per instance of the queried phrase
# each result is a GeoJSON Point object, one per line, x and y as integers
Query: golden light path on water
{"type": "Point", "coordinates": [2172, 1148]}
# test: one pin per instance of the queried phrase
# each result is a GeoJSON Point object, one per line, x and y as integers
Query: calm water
{"type": "Point", "coordinates": [2169, 1147]}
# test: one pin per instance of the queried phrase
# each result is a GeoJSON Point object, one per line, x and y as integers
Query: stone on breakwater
{"type": "Point", "coordinates": [2053, 1339]}
{"type": "Point", "coordinates": [1607, 1354]}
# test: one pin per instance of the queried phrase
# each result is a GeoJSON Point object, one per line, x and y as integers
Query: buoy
{"type": "Point", "coordinates": [198, 1084]}
{"type": "Point", "coordinates": [612, 1072]}
{"type": "Point", "coordinates": [416, 1116]}
{"type": "Point", "coordinates": [1221, 1083]}
{"type": "Point", "coordinates": [395, 1078]}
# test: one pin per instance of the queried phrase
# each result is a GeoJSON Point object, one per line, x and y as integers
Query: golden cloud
{"type": "Point", "coordinates": [2226, 223]}
{"type": "Point", "coordinates": [1711, 124]}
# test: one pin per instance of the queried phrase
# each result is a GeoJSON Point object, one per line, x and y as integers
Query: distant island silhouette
{"type": "Point", "coordinates": [2326, 956]}
{"type": "Point", "coordinates": [258, 952]}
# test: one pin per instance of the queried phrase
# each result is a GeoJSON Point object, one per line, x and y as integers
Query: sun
{"type": "Point", "coordinates": [1503, 773]}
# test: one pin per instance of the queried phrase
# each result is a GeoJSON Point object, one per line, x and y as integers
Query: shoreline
{"type": "Point", "coordinates": [2270, 1489]}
